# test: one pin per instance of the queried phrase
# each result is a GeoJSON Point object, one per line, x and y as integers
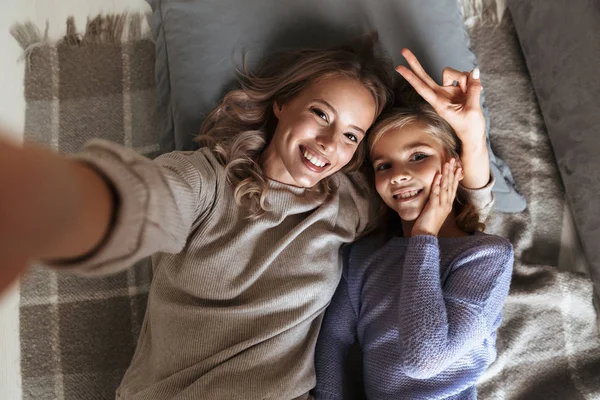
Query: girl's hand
{"type": "Point", "coordinates": [441, 199]}
{"type": "Point", "coordinates": [459, 105]}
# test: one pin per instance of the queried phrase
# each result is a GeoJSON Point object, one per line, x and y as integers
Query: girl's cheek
{"type": "Point", "coordinates": [379, 184]}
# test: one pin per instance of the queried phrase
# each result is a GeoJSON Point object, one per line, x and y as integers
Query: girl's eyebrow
{"type": "Point", "coordinates": [408, 147]}
{"type": "Point", "coordinates": [414, 145]}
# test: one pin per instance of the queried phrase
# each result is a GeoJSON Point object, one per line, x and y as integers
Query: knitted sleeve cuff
{"type": "Point", "coordinates": [123, 240]}
{"type": "Point", "coordinates": [482, 198]}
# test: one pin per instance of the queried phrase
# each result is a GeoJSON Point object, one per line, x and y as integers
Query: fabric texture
{"type": "Point", "coordinates": [563, 64]}
{"type": "Point", "coordinates": [199, 44]}
{"type": "Point", "coordinates": [424, 311]}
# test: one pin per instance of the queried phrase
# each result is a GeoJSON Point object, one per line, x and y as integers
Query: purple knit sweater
{"type": "Point", "coordinates": [424, 311]}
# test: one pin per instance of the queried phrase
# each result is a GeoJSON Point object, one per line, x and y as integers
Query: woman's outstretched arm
{"type": "Point", "coordinates": [100, 211]}
{"type": "Point", "coordinates": [51, 207]}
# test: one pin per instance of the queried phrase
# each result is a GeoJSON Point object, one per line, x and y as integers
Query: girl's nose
{"type": "Point", "coordinates": [399, 175]}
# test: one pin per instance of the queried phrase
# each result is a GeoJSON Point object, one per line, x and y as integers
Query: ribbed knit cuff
{"type": "Point", "coordinates": [482, 198]}
{"type": "Point", "coordinates": [124, 239]}
{"type": "Point", "coordinates": [423, 240]}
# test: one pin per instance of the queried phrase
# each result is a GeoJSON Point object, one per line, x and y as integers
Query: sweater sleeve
{"type": "Point", "coordinates": [157, 203]}
{"type": "Point", "coordinates": [482, 199]}
{"type": "Point", "coordinates": [438, 324]}
{"type": "Point", "coordinates": [337, 335]}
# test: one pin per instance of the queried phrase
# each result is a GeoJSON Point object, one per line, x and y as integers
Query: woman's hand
{"type": "Point", "coordinates": [441, 200]}
{"type": "Point", "coordinates": [460, 106]}
{"type": "Point", "coordinates": [51, 208]}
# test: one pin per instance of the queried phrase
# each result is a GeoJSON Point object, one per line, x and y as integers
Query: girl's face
{"type": "Point", "coordinates": [318, 131]}
{"type": "Point", "coordinates": [406, 162]}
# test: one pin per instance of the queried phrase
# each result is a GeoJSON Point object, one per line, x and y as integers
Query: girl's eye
{"type": "Point", "coordinates": [418, 157]}
{"type": "Point", "coordinates": [319, 113]}
{"type": "Point", "coordinates": [352, 137]}
{"type": "Point", "coordinates": [382, 167]}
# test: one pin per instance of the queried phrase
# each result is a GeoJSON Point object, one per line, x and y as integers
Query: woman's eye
{"type": "Point", "coordinates": [319, 113]}
{"type": "Point", "coordinates": [352, 137]}
{"type": "Point", "coordinates": [418, 157]}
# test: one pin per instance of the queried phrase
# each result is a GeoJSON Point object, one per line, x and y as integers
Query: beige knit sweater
{"type": "Point", "coordinates": [235, 305]}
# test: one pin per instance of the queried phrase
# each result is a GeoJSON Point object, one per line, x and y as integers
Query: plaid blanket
{"type": "Point", "coordinates": [78, 335]}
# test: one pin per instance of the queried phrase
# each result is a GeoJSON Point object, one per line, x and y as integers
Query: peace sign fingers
{"type": "Point", "coordinates": [421, 87]}
{"type": "Point", "coordinates": [417, 68]}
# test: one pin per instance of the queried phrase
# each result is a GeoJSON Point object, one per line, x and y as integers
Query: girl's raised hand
{"type": "Point", "coordinates": [441, 199]}
{"type": "Point", "coordinates": [459, 105]}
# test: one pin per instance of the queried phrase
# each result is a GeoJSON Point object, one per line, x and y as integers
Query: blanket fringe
{"type": "Point", "coordinates": [102, 29]}
{"type": "Point", "coordinates": [28, 34]}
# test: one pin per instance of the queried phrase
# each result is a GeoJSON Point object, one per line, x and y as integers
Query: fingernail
{"type": "Point", "coordinates": [476, 73]}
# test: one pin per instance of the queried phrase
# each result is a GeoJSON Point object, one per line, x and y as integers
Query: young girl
{"type": "Point", "coordinates": [423, 299]}
{"type": "Point", "coordinates": [246, 233]}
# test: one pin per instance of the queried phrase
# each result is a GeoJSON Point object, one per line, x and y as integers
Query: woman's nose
{"type": "Point", "coordinates": [326, 141]}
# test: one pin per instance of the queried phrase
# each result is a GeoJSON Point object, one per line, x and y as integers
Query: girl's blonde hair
{"type": "Point", "coordinates": [467, 216]}
{"type": "Point", "coordinates": [241, 126]}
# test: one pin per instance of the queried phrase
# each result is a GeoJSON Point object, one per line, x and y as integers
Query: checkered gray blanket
{"type": "Point", "coordinates": [78, 335]}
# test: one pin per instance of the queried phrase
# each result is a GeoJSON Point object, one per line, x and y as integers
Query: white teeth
{"type": "Point", "coordinates": [408, 194]}
{"type": "Point", "coordinates": [313, 160]}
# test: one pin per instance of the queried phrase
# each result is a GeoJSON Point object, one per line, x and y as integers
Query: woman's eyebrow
{"type": "Point", "coordinates": [326, 104]}
{"type": "Point", "coordinates": [333, 110]}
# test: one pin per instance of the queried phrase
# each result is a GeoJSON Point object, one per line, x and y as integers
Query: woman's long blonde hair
{"type": "Point", "coordinates": [241, 126]}
{"type": "Point", "coordinates": [467, 216]}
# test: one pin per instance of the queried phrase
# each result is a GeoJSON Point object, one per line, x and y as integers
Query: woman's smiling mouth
{"type": "Point", "coordinates": [312, 161]}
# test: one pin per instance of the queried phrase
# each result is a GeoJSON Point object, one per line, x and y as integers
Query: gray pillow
{"type": "Point", "coordinates": [561, 44]}
{"type": "Point", "coordinates": [196, 42]}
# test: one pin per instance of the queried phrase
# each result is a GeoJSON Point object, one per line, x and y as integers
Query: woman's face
{"type": "Point", "coordinates": [406, 162]}
{"type": "Point", "coordinates": [318, 131]}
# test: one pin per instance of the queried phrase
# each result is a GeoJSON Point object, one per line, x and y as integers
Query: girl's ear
{"type": "Point", "coordinates": [277, 108]}
{"type": "Point", "coordinates": [459, 165]}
